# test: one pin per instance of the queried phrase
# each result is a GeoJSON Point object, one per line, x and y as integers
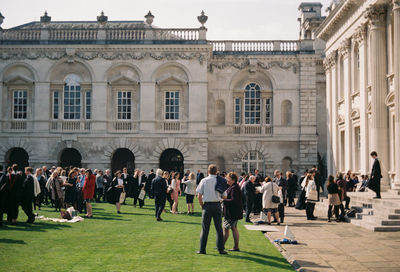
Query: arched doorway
{"type": "Point", "coordinates": [122, 157]}
{"type": "Point", "coordinates": [172, 160]}
{"type": "Point", "coordinates": [19, 156]}
{"type": "Point", "coordinates": [70, 157]}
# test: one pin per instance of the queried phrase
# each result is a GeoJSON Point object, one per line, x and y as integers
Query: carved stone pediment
{"type": "Point", "coordinates": [123, 80]}
{"type": "Point", "coordinates": [172, 81]}
{"type": "Point", "coordinates": [18, 80]}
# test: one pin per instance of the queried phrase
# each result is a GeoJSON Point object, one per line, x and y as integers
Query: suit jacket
{"type": "Point", "coordinates": [28, 189]}
{"type": "Point", "coordinates": [249, 190]}
{"type": "Point", "coordinates": [376, 170]}
{"type": "Point", "coordinates": [221, 185]}
{"type": "Point", "coordinates": [159, 186]}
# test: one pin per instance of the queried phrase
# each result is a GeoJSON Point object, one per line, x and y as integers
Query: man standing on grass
{"type": "Point", "coordinates": [210, 202]}
{"type": "Point", "coordinates": [159, 191]}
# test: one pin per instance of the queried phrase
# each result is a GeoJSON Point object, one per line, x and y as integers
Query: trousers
{"type": "Point", "coordinates": [159, 201]}
{"type": "Point", "coordinates": [211, 210]}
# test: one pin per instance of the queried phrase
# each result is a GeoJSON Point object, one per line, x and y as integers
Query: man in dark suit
{"type": "Point", "coordinates": [139, 180]}
{"type": "Point", "coordinates": [375, 183]}
{"type": "Point", "coordinates": [250, 193]}
{"type": "Point", "coordinates": [150, 178]}
{"type": "Point", "coordinates": [199, 176]}
{"type": "Point", "coordinates": [28, 194]}
{"type": "Point", "coordinates": [159, 191]}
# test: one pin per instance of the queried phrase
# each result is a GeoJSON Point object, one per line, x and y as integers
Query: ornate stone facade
{"type": "Point", "coordinates": [362, 78]}
{"type": "Point", "coordinates": [79, 93]}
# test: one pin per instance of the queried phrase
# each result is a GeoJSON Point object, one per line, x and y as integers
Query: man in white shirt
{"type": "Point", "coordinates": [210, 202]}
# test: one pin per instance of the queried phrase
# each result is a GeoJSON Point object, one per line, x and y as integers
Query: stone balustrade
{"type": "Point", "coordinates": [252, 130]}
{"type": "Point", "coordinates": [70, 126]}
{"type": "Point", "coordinates": [68, 35]}
{"type": "Point", "coordinates": [23, 35]}
{"type": "Point", "coordinates": [172, 126]}
{"type": "Point", "coordinates": [254, 46]}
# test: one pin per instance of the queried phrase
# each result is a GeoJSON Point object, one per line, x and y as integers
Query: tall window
{"type": "Point", "coordinates": [238, 111]}
{"type": "Point", "coordinates": [124, 105]}
{"type": "Point", "coordinates": [251, 161]}
{"type": "Point", "coordinates": [268, 111]}
{"type": "Point", "coordinates": [88, 105]}
{"type": "Point", "coordinates": [172, 105]}
{"type": "Point", "coordinates": [72, 101]}
{"type": "Point", "coordinates": [252, 101]}
{"type": "Point", "coordinates": [56, 105]}
{"type": "Point", "coordinates": [20, 104]}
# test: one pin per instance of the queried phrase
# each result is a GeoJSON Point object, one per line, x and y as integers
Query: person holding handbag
{"type": "Point", "coordinates": [270, 199]}
{"type": "Point", "coordinates": [115, 190]}
{"type": "Point", "coordinates": [176, 186]}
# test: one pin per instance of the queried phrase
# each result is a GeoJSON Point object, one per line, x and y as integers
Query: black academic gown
{"type": "Point", "coordinates": [13, 198]}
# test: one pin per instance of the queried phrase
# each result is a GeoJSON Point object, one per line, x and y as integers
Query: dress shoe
{"type": "Point", "coordinates": [223, 252]}
{"type": "Point", "coordinates": [376, 197]}
{"type": "Point", "coordinates": [200, 252]}
{"type": "Point", "coordinates": [234, 249]}
{"type": "Point", "coordinates": [159, 219]}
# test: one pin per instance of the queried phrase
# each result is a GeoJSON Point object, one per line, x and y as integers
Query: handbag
{"type": "Point", "coordinates": [142, 194]}
{"type": "Point", "coordinates": [122, 197]}
{"type": "Point", "coordinates": [170, 189]}
{"type": "Point", "coordinates": [276, 199]}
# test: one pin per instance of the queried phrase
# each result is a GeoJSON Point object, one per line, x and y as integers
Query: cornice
{"type": "Point", "coordinates": [71, 54]}
{"type": "Point", "coordinates": [334, 20]}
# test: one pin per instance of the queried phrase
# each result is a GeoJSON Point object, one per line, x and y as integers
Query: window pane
{"type": "Point", "coordinates": [124, 108]}
{"type": "Point", "coordinates": [20, 104]}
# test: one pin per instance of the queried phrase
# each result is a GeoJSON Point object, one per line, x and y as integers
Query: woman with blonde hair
{"type": "Point", "coordinates": [311, 196]}
{"type": "Point", "coordinates": [57, 194]}
{"type": "Point", "coordinates": [190, 191]}
{"type": "Point", "coordinates": [333, 198]}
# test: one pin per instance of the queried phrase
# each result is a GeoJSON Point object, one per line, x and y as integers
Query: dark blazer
{"type": "Point", "coordinates": [233, 209]}
{"type": "Point", "coordinates": [221, 185]}
{"type": "Point", "coordinates": [28, 189]}
{"type": "Point", "coordinates": [376, 170]}
{"type": "Point", "coordinates": [249, 190]}
{"type": "Point", "coordinates": [159, 186]}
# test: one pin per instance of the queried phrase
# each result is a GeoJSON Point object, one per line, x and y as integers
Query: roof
{"type": "Point", "coordinates": [310, 4]}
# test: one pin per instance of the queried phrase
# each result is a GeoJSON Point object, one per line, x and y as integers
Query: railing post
{"type": "Point", "coordinates": [202, 33]}
{"type": "Point", "coordinates": [277, 45]}
{"type": "Point", "coordinates": [101, 36]}
{"type": "Point", "coordinates": [149, 34]}
{"type": "Point", "coordinates": [44, 36]}
{"type": "Point", "coordinates": [228, 46]}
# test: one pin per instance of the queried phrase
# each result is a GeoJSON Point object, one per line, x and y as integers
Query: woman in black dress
{"type": "Point", "coordinates": [115, 190]}
{"type": "Point", "coordinates": [292, 187]}
{"type": "Point", "coordinates": [71, 191]}
{"type": "Point", "coordinates": [13, 193]}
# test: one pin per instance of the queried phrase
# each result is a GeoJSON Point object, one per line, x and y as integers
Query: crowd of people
{"type": "Point", "coordinates": [239, 196]}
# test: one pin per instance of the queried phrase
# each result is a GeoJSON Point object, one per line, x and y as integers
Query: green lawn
{"type": "Point", "coordinates": [131, 241]}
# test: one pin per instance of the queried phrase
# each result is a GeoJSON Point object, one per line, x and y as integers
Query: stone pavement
{"type": "Point", "coordinates": [335, 246]}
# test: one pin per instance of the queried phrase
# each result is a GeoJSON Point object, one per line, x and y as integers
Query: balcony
{"type": "Point", "coordinates": [122, 126]}
{"type": "Point", "coordinates": [171, 126]}
{"type": "Point", "coordinates": [16, 126]}
{"type": "Point", "coordinates": [252, 130]}
{"type": "Point", "coordinates": [70, 126]}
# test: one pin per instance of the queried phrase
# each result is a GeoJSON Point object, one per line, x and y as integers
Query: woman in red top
{"type": "Point", "coordinates": [88, 191]}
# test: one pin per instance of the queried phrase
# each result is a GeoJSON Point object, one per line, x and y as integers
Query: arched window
{"type": "Point", "coordinates": [286, 110]}
{"type": "Point", "coordinates": [252, 104]}
{"type": "Point", "coordinates": [72, 97]}
{"type": "Point", "coordinates": [253, 160]}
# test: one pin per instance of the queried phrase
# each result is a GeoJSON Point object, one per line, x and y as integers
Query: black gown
{"type": "Point", "coordinates": [71, 193]}
{"type": "Point", "coordinates": [13, 195]}
{"type": "Point", "coordinates": [113, 193]}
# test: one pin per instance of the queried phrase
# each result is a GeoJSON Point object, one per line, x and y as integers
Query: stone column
{"type": "Point", "coordinates": [328, 74]}
{"type": "Point", "coordinates": [345, 52]}
{"type": "Point", "coordinates": [99, 106]}
{"type": "Point", "coordinates": [334, 110]}
{"type": "Point", "coordinates": [379, 127]}
{"type": "Point", "coordinates": [41, 109]}
{"type": "Point", "coordinates": [396, 68]}
{"type": "Point", "coordinates": [361, 39]}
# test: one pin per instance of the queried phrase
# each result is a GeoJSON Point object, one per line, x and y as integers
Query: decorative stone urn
{"type": "Point", "coordinates": [149, 18]}
{"type": "Point", "coordinates": [202, 18]}
{"type": "Point", "coordinates": [1, 19]}
{"type": "Point", "coordinates": [102, 19]}
{"type": "Point", "coordinates": [45, 18]}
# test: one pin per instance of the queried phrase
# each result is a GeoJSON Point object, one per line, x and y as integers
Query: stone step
{"type": "Point", "coordinates": [379, 221]}
{"type": "Point", "coordinates": [394, 216]}
{"type": "Point", "coordinates": [374, 226]}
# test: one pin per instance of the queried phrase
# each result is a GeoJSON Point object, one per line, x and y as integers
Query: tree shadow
{"type": "Point", "coordinates": [12, 241]}
{"type": "Point", "coordinates": [181, 222]}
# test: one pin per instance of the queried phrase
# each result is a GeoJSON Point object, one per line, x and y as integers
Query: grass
{"type": "Point", "coordinates": [131, 241]}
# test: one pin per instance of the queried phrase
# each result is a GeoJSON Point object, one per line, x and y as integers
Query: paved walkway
{"type": "Point", "coordinates": [335, 246]}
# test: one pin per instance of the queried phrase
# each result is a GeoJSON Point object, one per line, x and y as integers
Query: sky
{"type": "Point", "coordinates": [227, 19]}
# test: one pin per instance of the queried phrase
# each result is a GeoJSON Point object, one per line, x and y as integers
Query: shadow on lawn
{"type": "Point", "coordinates": [261, 259]}
{"type": "Point", "coordinates": [39, 226]}
{"type": "Point", "coordinates": [12, 241]}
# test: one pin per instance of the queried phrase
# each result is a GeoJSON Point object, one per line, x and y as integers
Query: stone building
{"type": "Point", "coordinates": [363, 79]}
{"type": "Point", "coordinates": [107, 94]}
